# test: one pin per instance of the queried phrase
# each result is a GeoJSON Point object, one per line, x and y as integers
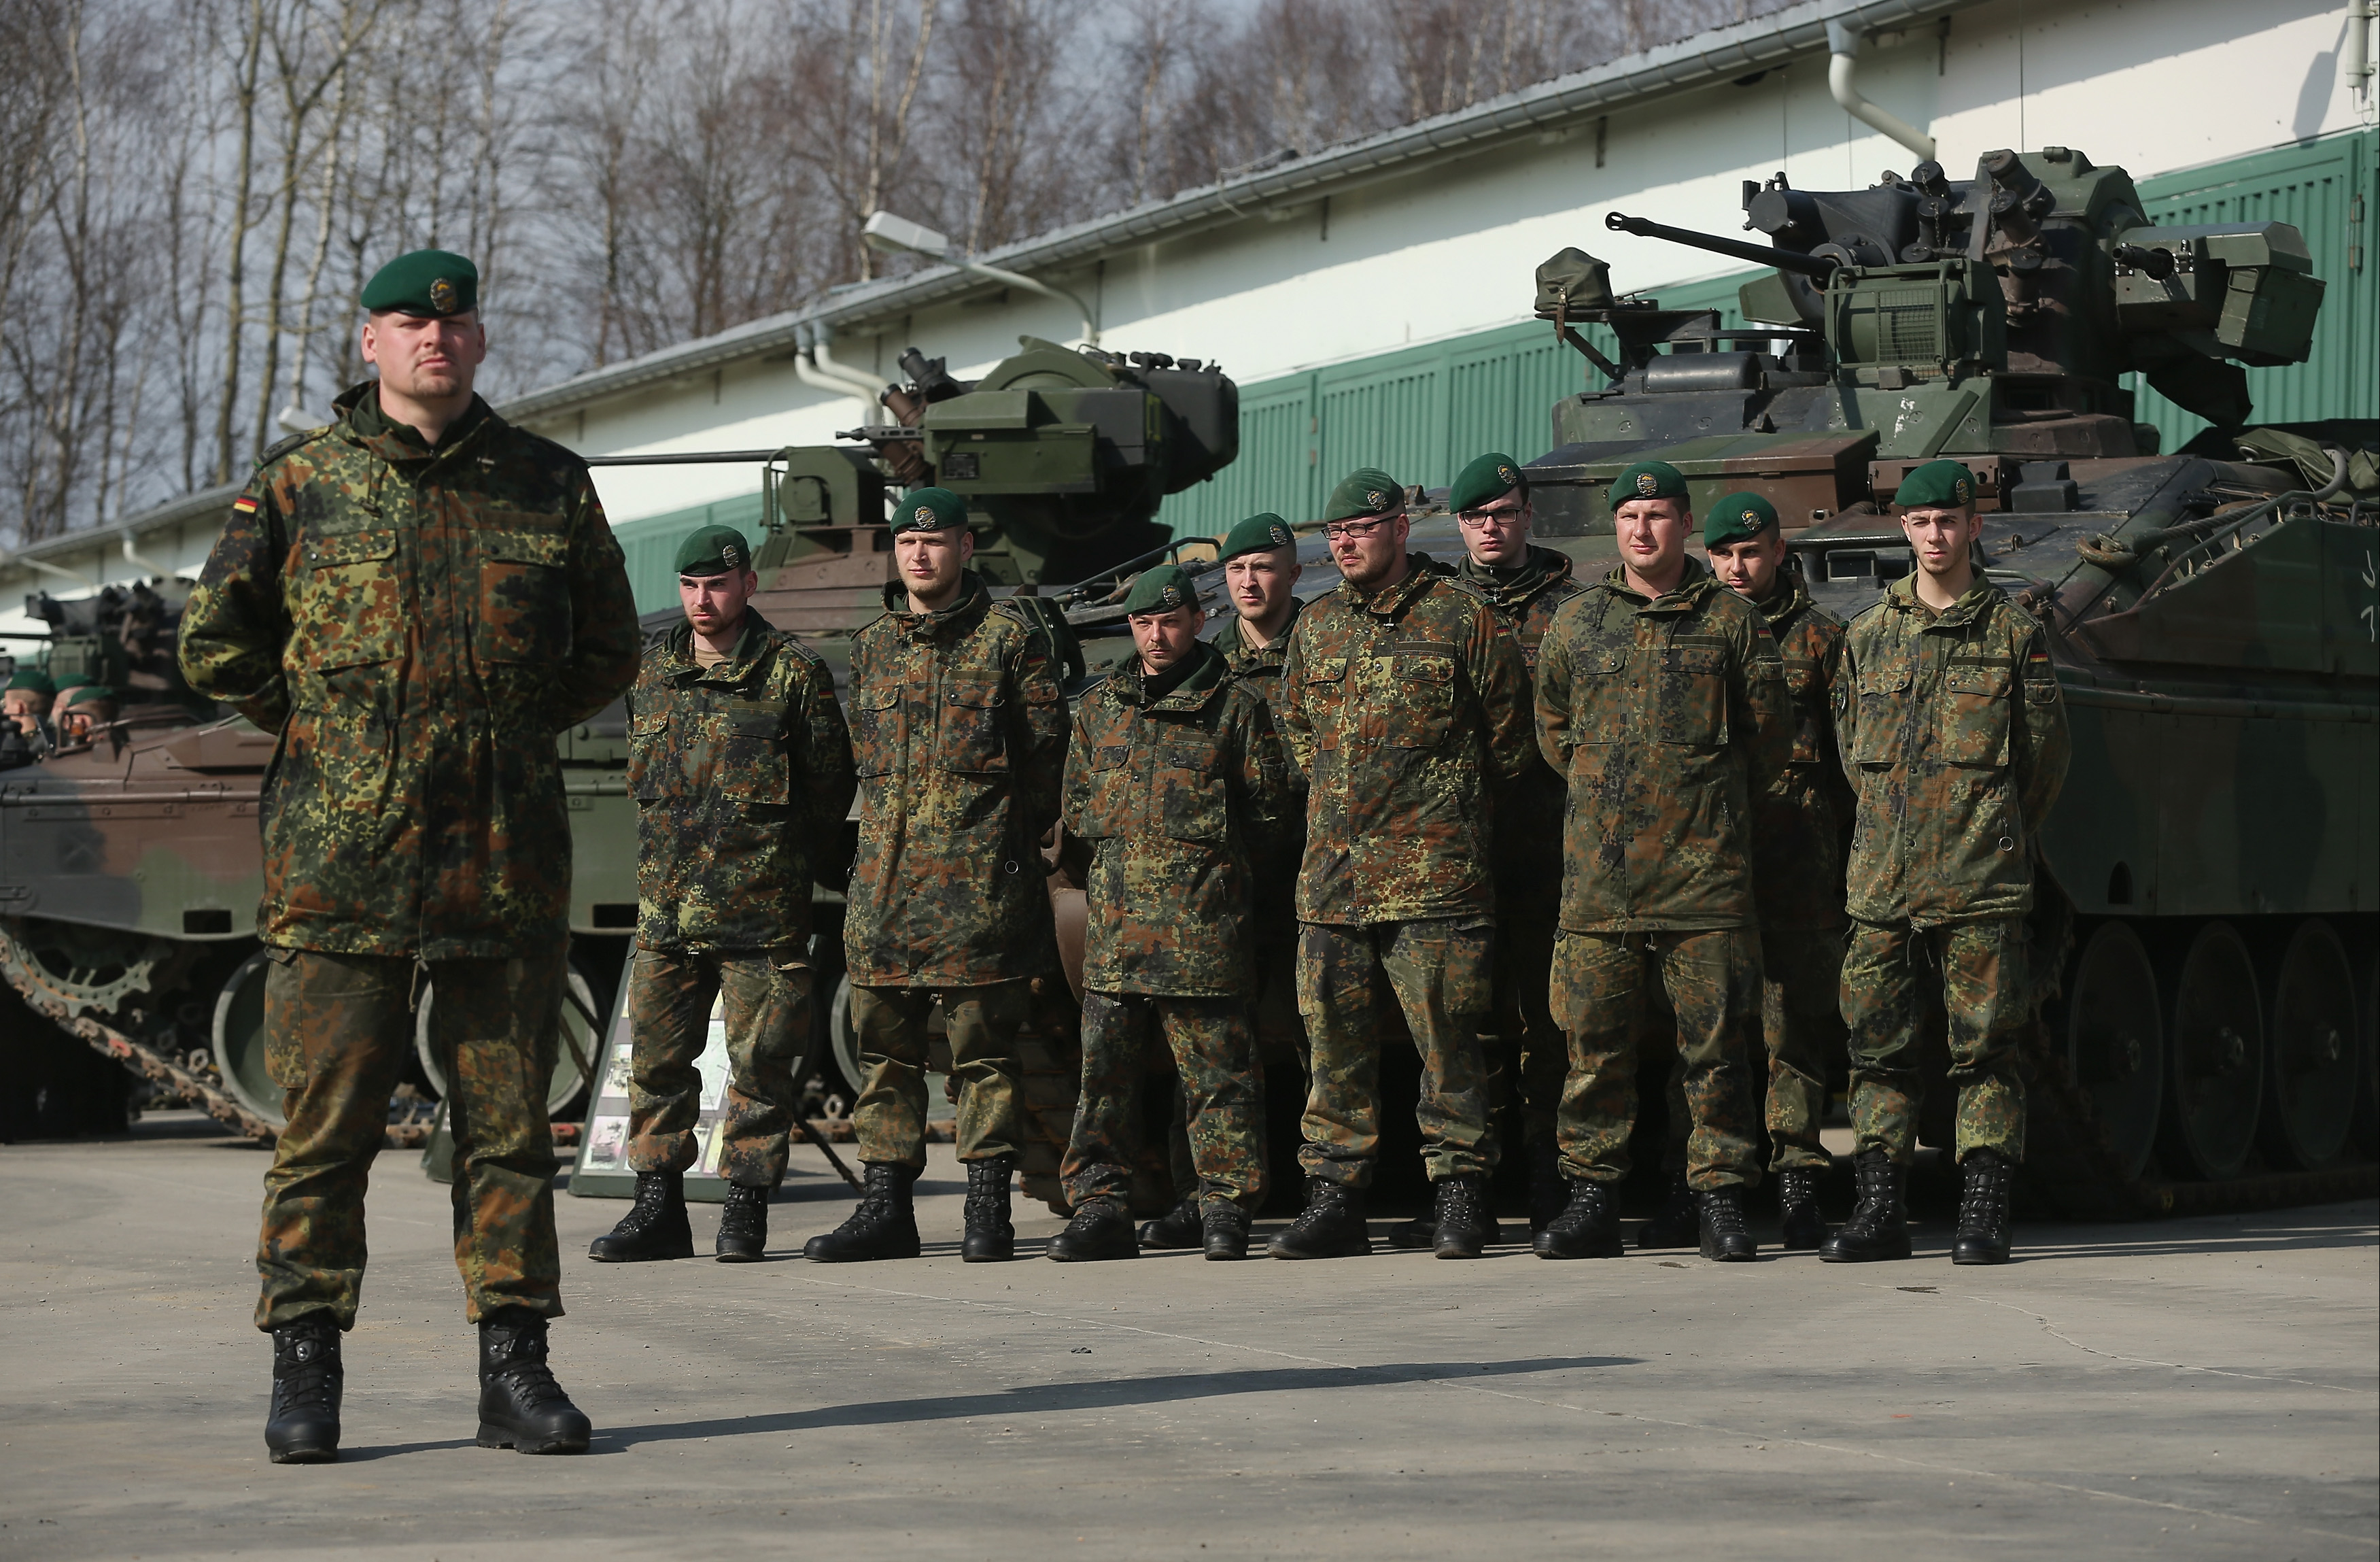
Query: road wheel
{"type": "Point", "coordinates": [2215, 1077]}
{"type": "Point", "coordinates": [2114, 1041]}
{"type": "Point", "coordinates": [2315, 1068]}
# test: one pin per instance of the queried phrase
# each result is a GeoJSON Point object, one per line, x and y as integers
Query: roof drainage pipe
{"type": "Point", "coordinates": [1844, 42]}
{"type": "Point", "coordinates": [815, 369]}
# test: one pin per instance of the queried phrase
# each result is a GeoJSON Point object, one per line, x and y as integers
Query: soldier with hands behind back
{"type": "Point", "coordinates": [1953, 730]}
{"type": "Point", "coordinates": [1403, 704]}
{"type": "Point", "coordinates": [741, 768]}
{"type": "Point", "coordinates": [415, 600]}
{"type": "Point", "coordinates": [1661, 700]}
{"type": "Point", "coordinates": [1172, 773]}
{"type": "Point", "coordinates": [959, 728]}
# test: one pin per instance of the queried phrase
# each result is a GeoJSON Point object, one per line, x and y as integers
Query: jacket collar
{"type": "Point", "coordinates": [966, 610]}
{"type": "Point", "coordinates": [1204, 683]}
{"type": "Point", "coordinates": [1239, 646]}
{"type": "Point", "coordinates": [1692, 588]}
{"type": "Point", "coordinates": [1421, 569]}
{"type": "Point", "coordinates": [1972, 603]}
{"type": "Point", "coordinates": [750, 642]}
{"type": "Point", "coordinates": [362, 423]}
{"type": "Point", "coordinates": [1783, 605]}
{"type": "Point", "coordinates": [1542, 570]}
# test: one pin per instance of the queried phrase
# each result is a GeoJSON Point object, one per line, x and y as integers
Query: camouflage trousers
{"type": "Point", "coordinates": [765, 999]}
{"type": "Point", "coordinates": [1608, 991]}
{"type": "Point", "coordinates": [1800, 1017]}
{"type": "Point", "coordinates": [339, 1029]}
{"type": "Point", "coordinates": [889, 1118]}
{"type": "Point", "coordinates": [1222, 1092]}
{"type": "Point", "coordinates": [1528, 1057]}
{"type": "Point", "coordinates": [1438, 973]}
{"type": "Point", "coordinates": [1280, 1056]}
{"type": "Point", "coordinates": [1891, 973]}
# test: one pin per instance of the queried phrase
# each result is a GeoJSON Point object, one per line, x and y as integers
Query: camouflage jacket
{"type": "Point", "coordinates": [1953, 731]}
{"type": "Point", "coordinates": [416, 626]}
{"type": "Point", "coordinates": [959, 728]}
{"type": "Point", "coordinates": [1798, 836]}
{"type": "Point", "coordinates": [1529, 810]}
{"type": "Point", "coordinates": [1258, 666]}
{"type": "Point", "coordinates": [1280, 843]}
{"type": "Point", "coordinates": [741, 774]}
{"type": "Point", "coordinates": [1404, 710]}
{"type": "Point", "coordinates": [1171, 795]}
{"type": "Point", "coordinates": [1668, 717]}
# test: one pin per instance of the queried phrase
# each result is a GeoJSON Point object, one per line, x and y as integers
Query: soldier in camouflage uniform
{"type": "Point", "coordinates": [1403, 704]}
{"type": "Point", "coordinates": [1661, 698]}
{"type": "Point", "coordinates": [415, 600]}
{"type": "Point", "coordinates": [1172, 774]}
{"type": "Point", "coordinates": [1797, 834]}
{"type": "Point", "coordinates": [959, 727]}
{"type": "Point", "coordinates": [1953, 730]}
{"type": "Point", "coordinates": [741, 768]}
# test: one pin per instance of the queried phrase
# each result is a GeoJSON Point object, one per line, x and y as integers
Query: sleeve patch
{"type": "Point", "coordinates": [244, 505]}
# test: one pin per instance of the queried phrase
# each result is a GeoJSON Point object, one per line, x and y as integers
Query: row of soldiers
{"type": "Point", "coordinates": [1432, 793]}
{"type": "Point", "coordinates": [40, 715]}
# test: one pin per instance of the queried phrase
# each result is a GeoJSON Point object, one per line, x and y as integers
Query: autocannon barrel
{"type": "Point", "coordinates": [1813, 266]}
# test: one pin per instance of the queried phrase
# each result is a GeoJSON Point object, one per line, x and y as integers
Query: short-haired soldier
{"type": "Point", "coordinates": [1953, 730]}
{"type": "Point", "coordinates": [741, 769]}
{"type": "Point", "coordinates": [1171, 775]}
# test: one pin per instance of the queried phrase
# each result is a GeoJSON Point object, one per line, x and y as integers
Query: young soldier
{"type": "Point", "coordinates": [1171, 773]}
{"type": "Point", "coordinates": [741, 768]}
{"type": "Point", "coordinates": [1798, 857]}
{"type": "Point", "coordinates": [1953, 730]}
{"type": "Point", "coordinates": [416, 599]}
{"type": "Point", "coordinates": [88, 709]}
{"type": "Point", "coordinates": [960, 731]}
{"type": "Point", "coordinates": [1661, 698]}
{"type": "Point", "coordinates": [27, 700]}
{"type": "Point", "coordinates": [1402, 702]}
{"type": "Point", "coordinates": [1260, 573]}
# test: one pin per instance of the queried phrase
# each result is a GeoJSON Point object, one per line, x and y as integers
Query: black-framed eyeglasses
{"type": "Point", "coordinates": [1335, 530]}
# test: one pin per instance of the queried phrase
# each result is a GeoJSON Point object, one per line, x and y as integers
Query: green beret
{"type": "Point", "coordinates": [1739, 518]}
{"type": "Point", "coordinates": [1259, 533]}
{"type": "Point", "coordinates": [91, 693]}
{"type": "Point", "coordinates": [1936, 485]}
{"type": "Point", "coordinates": [1162, 590]}
{"type": "Point", "coordinates": [713, 550]}
{"type": "Point", "coordinates": [34, 679]}
{"type": "Point", "coordinates": [1365, 491]}
{"type": "Point", "coordinates": [428, 283]}
{"type": "Point", "coordinates": [1484, 482]}
{"type": "Point", "coordinates": [928, 510]}
{"type": "Point", "coordinates": [72, 680]}
{"type": "Point", "coordinates": [1648, 480]}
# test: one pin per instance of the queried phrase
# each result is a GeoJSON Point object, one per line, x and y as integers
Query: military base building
{"type": "Point", "coordinates": [1374, 301]}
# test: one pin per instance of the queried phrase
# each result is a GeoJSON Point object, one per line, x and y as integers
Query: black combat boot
{"type": "Point", "coordinates": [1549, 1190]}
{"type": "Point", "coordinates": [1465, 1226]}
{"type": "Point", "coordinates": [1177, 1228]}
{"type": "Point", "coordinates": [1724, 1237]}
{"type": "Point", "coordinates": [884, 1225]}
{"type": "Point", "coordinates": [1984, 1232]}
{"type": "Point", "coordinates": [1585, 1228]}
{"type": "Point", "coordinates": [1680, 1224]}
{"type": "Point", "coordinates": [1800, 1225]}
{"type": "Point", "coordinates": [991, 1238]}
{"type": "Point", "coordinates": [654, 1228]}
{"type": "Point", "coordinates": [1878, 1228]}
{"type": "Point", "coordinates": [1330, 1226]}
{"type": "Point", "coordinates": [520, 1405]}
{"type": "Point", "coordinates": [1226, 1230]}
{"type": "Point", "coordinates": [743, 1225]}
{"type": "Point", "coordinates": [1099, 1230]}
{"type": "Point", "coordinates": [303, 1427]}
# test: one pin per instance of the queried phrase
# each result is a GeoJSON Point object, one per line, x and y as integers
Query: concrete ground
{"type": "Point", "coordinates": [2200, 1387]}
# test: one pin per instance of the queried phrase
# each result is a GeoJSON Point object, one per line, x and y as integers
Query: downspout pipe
{"type": "Point", "coordinates": [815, 367]}
{"type": "Point", "coordinates": [1844, 43]}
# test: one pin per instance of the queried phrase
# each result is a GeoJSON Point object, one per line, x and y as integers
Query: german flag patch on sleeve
{"type": "Point", "coordinates": [244, 505]}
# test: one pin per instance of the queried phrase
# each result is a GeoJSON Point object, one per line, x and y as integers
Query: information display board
{"type": "Point", "coordinates": [601, 1170]}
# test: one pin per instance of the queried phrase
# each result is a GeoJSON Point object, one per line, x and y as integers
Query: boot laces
{"type": "Point", "coordinates": [1326, 1205]}
{"type": "Point", "coordinates": [306, 1369]}
{"type": "Point", "coordinates": [1725, 1216]}
{"type": "Point", "coordinates": [519, 1360]}
{"type": "Point", "coordinates": [1983, 1201]}
{"type": "Point", "coordinates": [1873, 1212]}
{"type": "Point", "coordinates": [652, 1199]}
{"type": "Point", "coordinates": [1584, 1209]}
{"type": "Point", "coordinates": [743, 1211]}
{"type": "Point", "coordinates": [1458, 1199]}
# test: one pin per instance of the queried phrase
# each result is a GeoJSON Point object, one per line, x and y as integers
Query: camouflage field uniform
{"type": "Point", "coordinates": [1169, 793]}
{"type": "Point", "coordinates": [1669, 717]}
{"type": "Point", "coordinates": [741, 772]}
{"type": "Point", "coordinates": [1405, 711]}
{"type": "Point", "coordinates": [1529, 876]}
{"type": "Point", "coordinates": [959, 727]}
{"type": "Point", "coordinates": [416, 626]}
{"type": "Point", "coordinates": [1281, 1034]}
{"type": "Point", "coordinates": [1953, 730]}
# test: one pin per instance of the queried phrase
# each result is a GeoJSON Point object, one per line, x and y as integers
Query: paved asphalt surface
{"type": "Point", "coordinates": [2203, 1388]}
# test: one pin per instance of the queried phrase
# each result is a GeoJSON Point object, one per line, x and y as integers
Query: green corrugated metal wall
{"type": "Point", "coordinates": [651, 543]}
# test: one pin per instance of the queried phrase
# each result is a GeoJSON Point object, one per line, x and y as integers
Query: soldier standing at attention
{"type": "Point", "coordinates": [415, 600]}
{"type": "Point", "coordinates": [1661, 698]}
{"type": "Point", "coordinates": [1172, 773]}
{"type": "Point", "coordinates": [1797, 850]}
{"type": "Point", "coordinates": [1403, 705]}
{"type": "Point", "coordinates": [1953, 730]}
{"type": "Point", "coordinates": [741, 768]}
{"type": "Point", "coordinates": [959, 727]}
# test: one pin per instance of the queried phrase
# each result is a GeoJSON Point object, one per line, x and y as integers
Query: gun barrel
{"type": "Point", "coordinates": [1815, 266]}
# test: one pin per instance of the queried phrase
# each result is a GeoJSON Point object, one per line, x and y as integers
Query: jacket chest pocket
{"type": "Point", "coordinates": [876, 729]}
{"type": "Point", "coordinates": [1322, 693]}
{"type": "Point", "coordinates": [1417, 703]}
{"type": "Point", "coordinates": [1809, 696]}
{"type": "Point", "coordinates": [1692, 683]}
{"type": "Point", "coordinates": [1108, 791]}
{"type": "Point", "coordinates": [972, 739]}
{"type": "Point", "coordinates": [1883, 700]}
{"type": "Point", "coordinates": [348, 605]}
{"type": "Point", "coordinates": [1599, 696]}
{"type": "Point", "coordinates": [1975, 713]}
{"type": "Point", "coordinates": [1190, 787]}
{"type": "Point", "coordinates": [753, 769]}
{"type": "Point", "coordinates": [649, 756]}
{"type": "Point", "coordinates": [524, 597]}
